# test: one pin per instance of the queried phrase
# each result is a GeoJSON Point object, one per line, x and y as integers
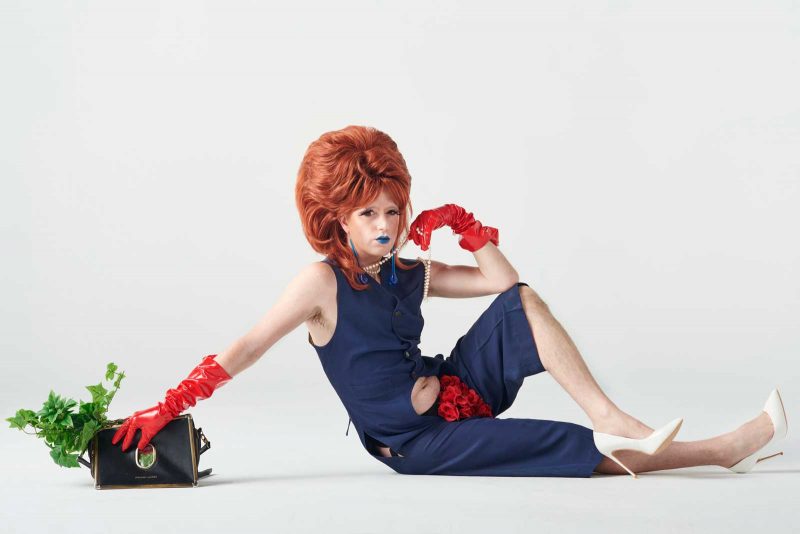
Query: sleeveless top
{"type": "Point", "coordinates": [373, 358]}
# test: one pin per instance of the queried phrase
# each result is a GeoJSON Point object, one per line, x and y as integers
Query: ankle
{"type": "Point", "coordinates": [606, 414]}
{"type": "Point", "coordinates": [726, 449]}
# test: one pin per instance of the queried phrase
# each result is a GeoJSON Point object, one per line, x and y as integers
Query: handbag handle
{"type": "Point", "coordinates": [206, 443]}
{"type": "Point", "coordinates": [204, 448]}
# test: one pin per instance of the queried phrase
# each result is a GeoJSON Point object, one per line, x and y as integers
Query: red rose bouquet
{"type": "Point", "coordinates": [458, 401]}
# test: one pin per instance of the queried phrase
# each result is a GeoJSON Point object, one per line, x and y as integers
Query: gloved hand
{"type": "Point", "coordinates": [473, 235]}
{"type": "Point", "coordinates": [200, 384]}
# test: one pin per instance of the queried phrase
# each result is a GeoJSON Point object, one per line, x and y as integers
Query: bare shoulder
{"type": "Point", "coordinates": [319, 272]}
{"type": "Point", "coordinates": [320, 280]}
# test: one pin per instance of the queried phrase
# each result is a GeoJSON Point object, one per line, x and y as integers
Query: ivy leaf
{"type": "Point", "coordinates": [98, 392]}
{"type": "Point", "coordinates": [22, 418]}
{"type": "Point", "coordinates": [87, 433]}
{"type": "Point", "coordinates": [110, 371]}
{"type": "Point", "coordinates": [64, 431]}
{"type": "Point", "coordinates": [63, 458]}
{"type": "Point", "coordinates": [18, 421]}
{"type": "Point", "coordinates": [86, 408]}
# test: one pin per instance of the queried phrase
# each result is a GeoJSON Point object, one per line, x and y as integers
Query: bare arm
{"type": "Point", "coordinates": [495, 267]}
{"type": "Point", "coordinates": [299, 302]}
{"type": "Point", "coordinates": [493, 275]}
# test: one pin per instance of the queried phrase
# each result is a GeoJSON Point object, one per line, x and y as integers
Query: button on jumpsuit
{"type": "Point", "coordinates": [373, 360]}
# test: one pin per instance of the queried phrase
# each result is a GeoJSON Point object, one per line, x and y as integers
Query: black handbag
{"type": "Point", "coordinates": [169, 460]}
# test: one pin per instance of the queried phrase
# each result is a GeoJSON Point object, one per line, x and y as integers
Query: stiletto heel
{"type": "Point", "coordinates": [777, 414]}
{"type": "Point", "coordinates": [660, 439]}
{"type": "Point", "coordinates": [768, 457]}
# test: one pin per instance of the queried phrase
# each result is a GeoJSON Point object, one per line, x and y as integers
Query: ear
{"type": "Point", "coordinates": [344, 225]}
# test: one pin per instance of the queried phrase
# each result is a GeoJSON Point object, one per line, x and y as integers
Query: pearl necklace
{"type": "Point", "coordinates": [374, 269]}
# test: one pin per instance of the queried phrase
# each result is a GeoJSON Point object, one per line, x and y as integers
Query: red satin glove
{"type": "Point", "coordinates": [200, 384]}
{"type": "Point", "coordinates": [473, 235]}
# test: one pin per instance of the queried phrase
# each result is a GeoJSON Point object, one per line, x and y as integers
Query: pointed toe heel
{"type": "Point", "coordinates": [608, 444]}
{"type": "Point", "coordinates": [777, 414]}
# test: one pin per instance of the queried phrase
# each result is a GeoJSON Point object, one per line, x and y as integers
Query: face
{"type": "Point", "coordinates": [366, 224]}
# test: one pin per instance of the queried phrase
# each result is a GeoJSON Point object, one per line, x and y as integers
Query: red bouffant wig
{"type": "Point", "coordinates": [342, 171]}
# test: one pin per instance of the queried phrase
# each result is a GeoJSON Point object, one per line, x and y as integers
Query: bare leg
{"type": "Point", "coordinates": [562, 360]}
{"type": "Point", "coordinates": [724, 450]}
{"type": "Point", "coordinates": [385, 451]}
{"type": "Point", "coordinates": [678, 454]}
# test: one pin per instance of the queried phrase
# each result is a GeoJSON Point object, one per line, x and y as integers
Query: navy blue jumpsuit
{"type": "Point", "coordinates": [373, 360]}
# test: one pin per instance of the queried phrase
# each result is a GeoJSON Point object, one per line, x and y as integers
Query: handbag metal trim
{"type": "Point", "coordinates": [194, 434]}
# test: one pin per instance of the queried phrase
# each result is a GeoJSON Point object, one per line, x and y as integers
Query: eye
{"type": "Point", "coordinates": [395, 212]}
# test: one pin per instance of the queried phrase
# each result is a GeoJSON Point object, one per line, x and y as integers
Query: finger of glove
{"type": "Point", "coordinates": [417, 231]}
{"type": "Point", "coordinates": [424, 241]}
{"type": "Point", "coordinates": [419, 240]}
{"type": "Point", "coordinates": [129, 437]}
{"type": "Point", "coordinates": [144, 441]}
{"type": "Point", "coordinates": [424, 238]}
{"type": "Point", "coordinates": [412, 233]}
{"type": "Point", "coordinates": [120, 431]}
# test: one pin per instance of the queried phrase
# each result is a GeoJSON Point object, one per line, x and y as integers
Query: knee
{"type": "Point", "coordinates": [531, 300]}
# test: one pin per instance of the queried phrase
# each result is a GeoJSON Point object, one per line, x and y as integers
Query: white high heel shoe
{"type": "Point", "coordinates": [608, 444]}
{"type": "Point", "coordinates": [776, 412]}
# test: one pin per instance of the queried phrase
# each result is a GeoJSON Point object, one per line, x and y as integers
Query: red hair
{"type": "Point", "coordinates": [340, 172]}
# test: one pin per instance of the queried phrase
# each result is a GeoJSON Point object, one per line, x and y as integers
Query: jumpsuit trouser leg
{"type": "Point", "coordinates": [494, 357]}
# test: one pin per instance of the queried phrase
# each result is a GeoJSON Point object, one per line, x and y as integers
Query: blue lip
{"type": "Point", "coordinates": [383, 239]}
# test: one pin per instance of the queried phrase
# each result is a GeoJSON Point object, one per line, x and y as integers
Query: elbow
{"type": "Point", "coordinates": [514, 278]}
{"type": "Point", "coordinates": [510, 282]}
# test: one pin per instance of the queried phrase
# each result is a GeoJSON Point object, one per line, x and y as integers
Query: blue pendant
{"type": "Point", "coordinates": [363, 278]}
{"type": "Point", "coordinates": [393, 277]}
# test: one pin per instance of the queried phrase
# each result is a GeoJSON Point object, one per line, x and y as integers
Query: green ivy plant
{"type": "Point", "coordinates": [68, 433]}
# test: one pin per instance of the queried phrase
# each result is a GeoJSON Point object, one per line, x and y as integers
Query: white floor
{"type": "Point", "coordinates": [279, 481]}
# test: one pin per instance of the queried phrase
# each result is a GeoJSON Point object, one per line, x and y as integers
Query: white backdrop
{"type": "Point", "coordinates": [640, 160]}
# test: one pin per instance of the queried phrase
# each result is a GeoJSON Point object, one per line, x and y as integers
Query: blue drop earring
{"type": "Point", "coordinates": [362, 277]}
{"type": "Point", "coordinates": [393, 277]}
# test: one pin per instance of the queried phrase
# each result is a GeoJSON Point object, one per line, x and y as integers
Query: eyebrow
{"type": "Point", "coordinates": [390, 207]}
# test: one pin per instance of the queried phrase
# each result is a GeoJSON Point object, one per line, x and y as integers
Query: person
{"type": "Point", "coordinates": [421, 414]}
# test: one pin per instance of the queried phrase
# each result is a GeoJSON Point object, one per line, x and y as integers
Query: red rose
{"type": "Point", "coordinates": [449, 394]}
{"type": "Point", "coordinates": [447, 380]}
{"type": "Point", "coordinates": [448, 411]}
{"type": "Point", "coordinates": [457, 400]}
